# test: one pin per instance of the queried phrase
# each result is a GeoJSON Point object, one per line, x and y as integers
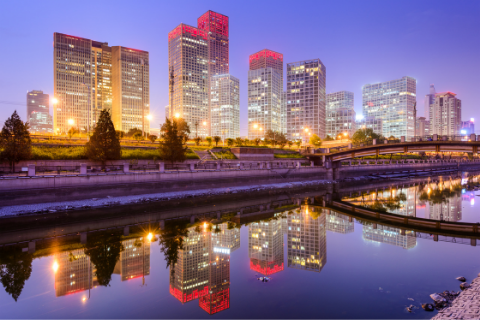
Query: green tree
{"type": "Point", "coordinates": [152, 138]}
{"type": "Point", "coordinates": [265, 142]}
{"type": "Point", "coordinates": [239, 142]}
{"type": "Point", "coordinates": [365, 136]}
{"type": "Point", "coordinates": [217, 139]}
{"type": "Point", "coordinates": [172, 142]}
{"type": "Point", "coordinates": [298, 143]}
{"type": "Point", "coordinates": [15, 141]}
{"type": "Point", "coordinates": [72, 132]}
{"type": "Point", "coordinates": [104, 251]}
{"type": "Point", "coordinates": [131, 133]}
{"type": "Point", "coordinates": [197, 141]}
{"type": "Point", "coordinates": [230, 142]}
{"type": "Point", "coordinates": [257, 141]}
{"type": "Point", "coordinates": [328, 138]}
{"type": "Point", "coordinates": [209, 141]}
{"type": "Point", "coordinates": [15, 270]}
{"type": "Point", "coordinates": [171, 241]}
{"type": "Point", "coordinates": [103, 144]}
{"type": "Point", "coordinates": [246, 142]}
{"type": "Point", "coordinates": [183, 129]}
{"type": "Point", "coordinates": [315, 141]}
{"type": "Point", "coordinates": [120, 134]}
{"type": "Point", "coordinates": [290, 144]}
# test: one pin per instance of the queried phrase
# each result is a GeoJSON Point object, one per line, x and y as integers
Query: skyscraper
{"type": "Point", "coordinates": [468, 127]}
{"type": "Point", "coordinates": [422, 127]}
{"type": "Point", "coordinates": [306, 100]}
{"type": "Point", "coordinates": [392, 102]}
{"type": "Point", "coordinates": [283, 113]}
{"type": "Point", "coordinates": [216, 26]}
{"type": "Point", "coordinates": [264, 101]}
{"type": "Point", "coordinates": [369, 123]}
{"type": "Point", "coordinates": [266, 59]}
{"type": "Point", "coordinates": [225, 106]}
{"type": "Point", "coordinates": [446, 114]}
{"type": "Point", "coordinates": [340, 114]}
{"type": "Point", "coordinates": [90, 76]}
{"type": "Point", "coordinates": [339, 223]}
{"type": "Point", "coordinates": [429, 99]}
{"type": "Point", "coordinates": [38, 114]}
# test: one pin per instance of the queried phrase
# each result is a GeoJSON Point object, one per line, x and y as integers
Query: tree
{"type": "Point", "coordinates": [138, 135]}
{"type": "Point", "coordinates": [257, 141]}
{"type": "Point", "coordinates": [15, 141]}
{"type": "Point", "coordinates": [265, 142]}
{"type": "Point", "coordinates": [104, 251]}
{"type": "Point", "coordinates": [239, 142]}
{"type": "Point", "coordinates": [15, 270]}
{"type": "Point", "coordinates": [171, 241]}
{"type": "Point", "coordinates": [183, 129]}
{"type": "Point", "coordinates": [246, 141]}
{"type": "Point", "coordinates": [72, 132]}
{"type": "Point", "coordinates": [230, 142]}
{"type": "Point", "coordinates": [298, 143]}
{"type": "Point", "coordinates": [209, 141]}
{"type": "Point", "coordinates": [315, 141]}
{"type": "Point", "coordinates": [365, 136]}
{"type": "Point", "coordinates": [172, 145]}
{"type": "Point", "coordinates": [197, 141]}
{"type": "Point", "coordinates": [104, 144]}
{"type": "Point", "coordinates": [290, 144]}
{"type": "Point", "coordinates": [217, 139]}
{"type": "Point", "coordinates": [152, 137]}
{"type": "Point", "coordinates": [131, 133]}
{"type": "Point", "coordinates": [120, 134]}
{"type": "Point", "coordinates": [328, 138]}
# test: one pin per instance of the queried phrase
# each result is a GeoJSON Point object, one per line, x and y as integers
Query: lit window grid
{"type": "Point", "coordinates": [392, 102]}
{"type": "Point", "coordinates": [265, 91]}
{"type": "Point", "coordinates": [306, 99]}
{"type": "Point", "coordinates": [340, 121]}
{"type": "Point", "coordinates": [38, 112]}
{"type": "Point", "coordinates": [265, 242]}
{"type": "Point", "coordinates": [389, 235]}
{"type": "Point", "coordinates": [188, 55]}
{"type": "Point", "coordinates": [446, 114]}
{"type": "Point", "coordinates": [225, 107]}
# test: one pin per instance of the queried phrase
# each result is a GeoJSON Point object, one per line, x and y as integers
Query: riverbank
{"type": "Point", "coordinates": [465, 306]}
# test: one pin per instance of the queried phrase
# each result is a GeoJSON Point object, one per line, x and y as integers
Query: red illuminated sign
{"type": "Point", "coordinates": [267, 270]}
{"type": "Point", "coordinates": [266, 54]}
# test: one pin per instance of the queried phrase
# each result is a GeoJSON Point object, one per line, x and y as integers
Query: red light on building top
{"type": "Point", "coordinates": [183, 297]}
{"type": "Point", "coordinates": [266, 54]}
{"type": "Point", "coordinates": [183, 28]}
{"type": "Point", "coordinates": [215, 302]}
{"type": "Point", "coordinates": [213, 22]}
{"type": "Point", "coordinates": [267, 270]}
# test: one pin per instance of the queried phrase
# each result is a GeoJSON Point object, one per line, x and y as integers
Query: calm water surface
{"type": "Point", "coordinates": [321, 264]}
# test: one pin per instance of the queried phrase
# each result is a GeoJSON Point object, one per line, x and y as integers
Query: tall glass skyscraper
{"type": "Point", "coordinates": [306, 99]}
{"type": "Point", "coordinates": [340, 114]}
{"type": "Point", "coordinates": [225, 106]}
{"type": "Point", "coordinates": [392, 102]}
{"type": "Point", "coordinates": [38, 114]}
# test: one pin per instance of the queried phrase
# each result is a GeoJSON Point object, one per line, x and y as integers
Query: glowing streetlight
{"type": "Point", "coordinates": [149, 117]}
{"type": "Point", "coordinates": [255, 126]}
{"type": "Point", "coordinates": [345, 134]}
{"type": "Point", "coordinates": [54, 100]}
{"type": "Point", "coordinates": [261, 129]}
{"type": "Point", "coordinates": [71, 122]}
{"type": "Point", "coordinates": [204, 226]}
{"type": "Point", "coordinates": [55, 266]}
{"type": "Point", "coordinates": [306, 130]}
{"type": "Point", "coordinates": [204, 123]}
{"type": "Point", "coordinates": [150, 237]}
{"type": "Point", "coordinates": [84, 299]}
{"type": "Point", "coordinates": [177, 115]}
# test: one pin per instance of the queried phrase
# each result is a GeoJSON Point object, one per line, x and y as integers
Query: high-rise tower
{"type": "Point", "coordinates": [446, 114]}
{"type": "Point", "coordinates": [38, 115]}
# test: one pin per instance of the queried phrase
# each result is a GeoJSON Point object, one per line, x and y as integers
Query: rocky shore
{"type": "Point", "coordinates": [465, 306]}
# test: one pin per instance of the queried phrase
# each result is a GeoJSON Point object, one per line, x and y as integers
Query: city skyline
{"type": "Point", "coordinates": [349, 68]}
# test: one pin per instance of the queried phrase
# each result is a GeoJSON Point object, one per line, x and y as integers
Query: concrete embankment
{"type": "Point", "coordinates": [465, 306]}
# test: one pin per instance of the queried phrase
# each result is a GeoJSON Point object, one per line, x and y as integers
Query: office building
{"type": "Point", "coordinates": [216, 26]}
{"type": "Point", "coordinates": [339, 223]}
{"type": "Point", "coordinates": [74, 274]}
{"type": "Point", "coordinates": [264, 102]}
{"type": "Point", "coordinates": [283, 113]}
{"type": "Point", "coordinates": [134, 259]}
{"type": "Point", "coordinates": [468, 127]}
{"type": "Point", "coordinates": [394, 236]}
{"type": "Point", "coordinates": [429, 99]}
{"type": "Point", "coordinates": [446, 114]}
{"type": "Point", "coordinates": [38, 113]}
{"type": "Point", "coordinates": [267, 59]}
{"type": "Point", "coordinates": [306, 100]}
{"type": "Point", "coordinates": [265, 246]}
{"type": "Point", "coordinates": [369, 123]}
{"type": "Point", "coordinates": [422, 127]}
{"type": "Point", "coordinates": [393, 103]}
{"type": "Point", "coordinates": [340, 114]}
{"type": "Point", "coordinates": [307, 239]}
{"type": "Point", "coordinates": [225, 106]}
{"type": "Point", "coordinates": [90, 76]}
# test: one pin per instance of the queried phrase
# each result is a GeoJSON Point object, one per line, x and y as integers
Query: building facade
{"type": "Point", "coordinates": [468, 127]}
{"type": "Point", "coordinates": [370, 123]}
{"type": "Point", "coordinates": [340, 114]}
{"type": "Point", "coordinates": [429, 99]}
{"type": "Point", "coordinates": [283, 113]}
{"type": "Point", "coordinates": [266, 59]}
{"type": "Point", "coordinates": [306, 99]}
{"type": "Point", "coordinates": [90, 76]}
{"type": "Point", "coordinates": [422, 127]}
{"type": "Point", "coordinates": [264, 101]}
{"type": "Point", "coordinates": [38, 113]}
{"type": "Point", "coordinates": [225, 106]}
{"type": "Point", "coordinates": [393, 103]}
{"type": "Point", "coordinates": [446, 114]}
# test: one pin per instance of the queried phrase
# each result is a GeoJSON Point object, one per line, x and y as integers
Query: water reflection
{"type": "Point", "coordinates": [15, 270]}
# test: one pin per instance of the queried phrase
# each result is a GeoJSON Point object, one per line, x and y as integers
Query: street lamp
{"type": "Point", "coordinates": [177, 115]}
{"type": "Point", "coordinates": [71, 122]}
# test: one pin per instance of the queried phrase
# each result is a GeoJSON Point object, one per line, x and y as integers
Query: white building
{"type": "Point", "coordinates": [446, 114]}
{"type": "Point", "coordinates": [225, 106]}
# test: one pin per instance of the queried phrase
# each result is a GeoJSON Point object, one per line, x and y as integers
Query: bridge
{"type": "Point", "coordinates": [418, 144]}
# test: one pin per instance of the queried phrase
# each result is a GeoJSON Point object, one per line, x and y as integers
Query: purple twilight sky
{"type": "Point", "coordinates": [359, 42]}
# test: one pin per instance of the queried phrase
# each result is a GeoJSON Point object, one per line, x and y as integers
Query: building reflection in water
{"type": "Point", "coordinates": [444, 200]}
{"type": "Point", "coordinates": [389, 235]}
{"type": "Point", "coordinates": [339, 223]}
{"type": "Point", "coordinates": [307, 242]}
{"type": "Point", "coordinates": [74, 272]}
{"type": "Point", "coordinates": [202, 270]}
{"type": "Point", "coordinates": [265, 245]}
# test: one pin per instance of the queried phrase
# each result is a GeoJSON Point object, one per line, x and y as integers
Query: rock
{"type": "Point", "coordinates": [427, 306]}
{"type": "Point", "coordinates": [461, 279]}
{"type": "Point", "coordinates": [411, 299]}
{"type": "Point", "coordinates": [437, 298]}
{"type": "Point", "coordinates": [409, 309]}
{"type": "Point", "coordinates": [464, 285]}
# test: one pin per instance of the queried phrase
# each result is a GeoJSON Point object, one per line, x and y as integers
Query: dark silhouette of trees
{"type": "Point", "coordinates": [131, 133]}
{"type": "Point", "coordinates": [172, 142]}
{"type": "Point", "coordinates": [15, 141]}
{"type": "Point", "coordinates": [217, 139]}
{"type": "Point", "coordinates": [15, 270]}
{"type": "Point", "coordinates": [104, 143]}
{"type": "Point", "coordinates": [104, 252]}
{"type": "Point", "coordinates": [171, 240]}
